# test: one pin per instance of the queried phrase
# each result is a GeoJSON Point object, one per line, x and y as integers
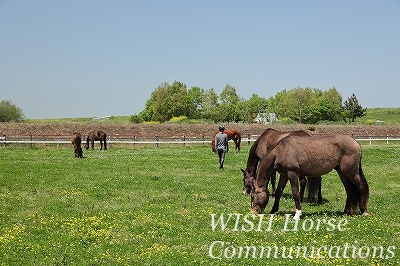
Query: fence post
{"type": "Point", "coordinates": [134, 141]}
{"type": "Point", "coordinates": [184, 140]}
{"type": "Point", "coordinates": [203, 139]}
{"type": "Point", "coordinates": [31, 141]}
{"type": "Point", "coordinates": [370, 140]}
{"type": "Point", "coordinates": [156, 141]}
{"type": "Point", "coordinates": [248, 139]}
{"type": "Point", "coordinates": [387, 139]}
{"type": "Point", "coordinates": [5, 140]}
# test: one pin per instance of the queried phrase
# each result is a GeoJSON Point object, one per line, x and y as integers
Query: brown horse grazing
{"type": "Point", "coordinates": [295, 156]}
{"type": "Point", "coordinates": [233, 134]}
{"type": "Point", "coordinates": [96, 135]}
{"type": "Point", "coordinates": [264, 144]}
{"type": "Point", "coordinates": [76, 141]}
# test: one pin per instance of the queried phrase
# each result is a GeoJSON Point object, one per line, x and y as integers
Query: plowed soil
{"type": "Point", "coordinates": [188, 130]}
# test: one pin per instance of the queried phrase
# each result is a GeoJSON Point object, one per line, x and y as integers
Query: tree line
{"type": "Point", "coordinates": [303, 105]}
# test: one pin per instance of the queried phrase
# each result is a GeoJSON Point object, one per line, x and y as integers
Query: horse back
{"type": "Point", "coordinates": [270, 138]}
{"type": "Point", "coordinates": [97, 135]}
{"type": "Point", "coordinates": [318, 155]}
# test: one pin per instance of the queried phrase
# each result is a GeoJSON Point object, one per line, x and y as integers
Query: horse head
{"type": "Point", "coordinates": [248, 182]}
{"type": "Point", "coordinates": [259, 199]}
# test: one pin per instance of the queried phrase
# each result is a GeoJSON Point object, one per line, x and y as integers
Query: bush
{"type": "Point", "coordinates": [178, 119]}
{"type": "Point", "coordinates": [10, 112]}
{"type": "Point", "coordinates": [137, 119]}
{"type": "Point", "coordinates": [286, 121]}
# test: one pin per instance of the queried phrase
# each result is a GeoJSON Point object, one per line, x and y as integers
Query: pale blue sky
{"type": "Point", "coordinates": [98, 58]}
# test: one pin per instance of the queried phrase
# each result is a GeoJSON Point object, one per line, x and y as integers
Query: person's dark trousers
{"type": "Point", "coordinates": [221, 155]}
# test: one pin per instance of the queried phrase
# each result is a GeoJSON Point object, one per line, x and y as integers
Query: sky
{"type": "Point", "coordinates": [94, 58]}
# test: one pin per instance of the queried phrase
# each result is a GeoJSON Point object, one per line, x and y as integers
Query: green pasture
{"type": "Point", "coordinates": [162, 206]}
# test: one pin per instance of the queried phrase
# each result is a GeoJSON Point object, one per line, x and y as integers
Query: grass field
{"type": "Point", "coordinates": [163, 206]}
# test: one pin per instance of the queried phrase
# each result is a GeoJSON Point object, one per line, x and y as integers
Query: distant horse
{"type": "Point", "coordinates": [295, 156]}
{"type": "Point", "coordinates": [264, 144]}
{"type": "Point", "coordinates": [233, 134]}
{"type": "Point", "coordinates": [94, 136]}
{"type": "Point", "coordinates": [76, 141]}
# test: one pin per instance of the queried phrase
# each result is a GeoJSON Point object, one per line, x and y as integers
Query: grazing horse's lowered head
{"type": "Point", "coordinates": [76, 140]}
{"type": "Point", "coordinates": [259, 198]}
{"type": "Point", "coordinates": [248, 182]}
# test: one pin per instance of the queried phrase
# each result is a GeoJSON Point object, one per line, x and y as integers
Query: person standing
{"type": "Point", "coordinates": [221, 145]}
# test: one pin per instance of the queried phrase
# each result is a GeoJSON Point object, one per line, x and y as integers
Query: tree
{"type": "Point", "coordinates": [254, 105]}
{"type": "Point", "coordinates": [10, 112]}
{"type": "Point", "coordinates": [353, 108]}
{"type": "Point", "coordinates": [195, 97]}
{"type": "Point", "coordinates": [303, 99]}
{"type": "Point", "coordinates": [230, 108]}
{"type": "Point", "coordinates": [210, 105]}
{"type": "Point", "coordinates": [327, 106]}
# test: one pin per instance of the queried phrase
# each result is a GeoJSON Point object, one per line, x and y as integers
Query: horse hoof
{"type": "Point", "coordinates": [253, 211]}
{"type": "Point", "coordinates": [297, 215]}
{"type": "Point", "coordinates": [365, 214]}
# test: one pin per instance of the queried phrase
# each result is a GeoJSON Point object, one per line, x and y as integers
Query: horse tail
{"type": "Point", "coordinates": [364, 194]}
{"type": "Point", "coordinates": [362, 176]}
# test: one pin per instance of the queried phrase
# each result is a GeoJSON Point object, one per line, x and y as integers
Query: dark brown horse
{"type": "Point", "coordinates": [233, 134]}
{"type": "Point", "coordinates": [94, 136]}
{"type": "Point", "coordinates": [76, 140]}
{"type": "Point", "coordinates": [295, 156]}
{"type": "Point", "coordinates": [264, 144]}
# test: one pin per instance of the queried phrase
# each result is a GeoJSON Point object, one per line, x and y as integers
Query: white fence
{"type": "Point", "coordinates": [156, 141]}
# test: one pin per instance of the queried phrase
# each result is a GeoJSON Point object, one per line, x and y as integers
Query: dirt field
{"type": "Point", "coordinates": [179, 130]}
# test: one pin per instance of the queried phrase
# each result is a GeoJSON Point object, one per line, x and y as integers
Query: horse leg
{"type": "Point", "coordinates": [303, 183]}
{"type": "Point", "coordinates": [273, 183]}
{"type": "Point", "coordinates": [320, 190]}
{"type": "Point", "coordinates": [101, 145]}
{"type": "Point", "coordinates": [361, 184]}
{"type": "Point", "coordinates": [314, 189]}
{"type": "Point", "coordinates": [294, 183]}
{"type": "Point", "coordinates": [92, 144]}
{"type": "Point", "coordinates": [352, 194]}
{"type": "Point", "coordinates": [278, 193]}
{"type": "Point", "coordinates": [105, 143]}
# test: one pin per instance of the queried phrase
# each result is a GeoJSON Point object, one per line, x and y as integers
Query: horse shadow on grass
{"type": "Point", "coordinates": [289, 196]}
{"type": "Point", "coordinates": [310, 213]}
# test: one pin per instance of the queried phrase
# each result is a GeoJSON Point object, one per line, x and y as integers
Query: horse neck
{"type": "Point", "coordinates": [253, 160]}
{"type": "Point", "coordinates": [265, 170]}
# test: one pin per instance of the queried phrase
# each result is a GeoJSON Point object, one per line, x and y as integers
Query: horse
{"type": "Point", "coordinates": [76, 141]}
{"type": "Point", "coordinates": [233, 134]}
{"type": "Point", "coordinates": [96, 135]}
{"type": "Point", "coordinates": [264, 144]}
{"type": "Point", "coordinates": [296, 156]}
